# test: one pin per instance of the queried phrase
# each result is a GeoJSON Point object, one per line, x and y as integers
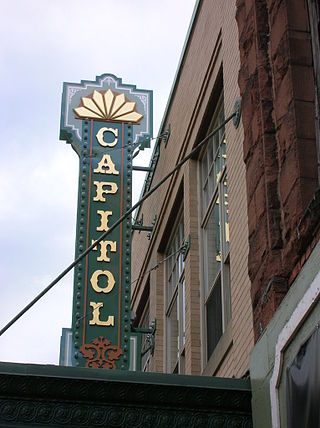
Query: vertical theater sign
{"type": "Point", "coordinates": [103, 120]}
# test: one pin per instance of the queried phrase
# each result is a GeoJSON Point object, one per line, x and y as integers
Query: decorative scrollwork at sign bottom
{"type": "Point", "coordinates": [100, 354]}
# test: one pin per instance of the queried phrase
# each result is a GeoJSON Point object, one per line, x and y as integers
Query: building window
{"type": "Point", "coordinates": [215, 234]}
{"type": "Point", "coordinates": [175, 300]}
{"type": "Point", "coordinates": [145, 343]}
{"type": "Point", "coordinates": [302, 385]}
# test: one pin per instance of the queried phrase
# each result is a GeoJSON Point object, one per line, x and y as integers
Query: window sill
{"type": "Point", "coordinates": [220, 352]}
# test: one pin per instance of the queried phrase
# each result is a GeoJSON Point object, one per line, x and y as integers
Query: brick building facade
{"type": "Point", "coordinates": [244, 296]}
{"type": "Point", "coordinates": [201, 299]}
{"type": "Point", "coordinates": [279, 86]}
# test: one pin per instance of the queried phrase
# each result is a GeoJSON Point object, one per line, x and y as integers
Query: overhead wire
{"type": "Point", "coordinates": [155, 267]}
{"type": "Point", "coordinates": [116, 224]}
{"type": "Point", "coordinates": [159, 137]}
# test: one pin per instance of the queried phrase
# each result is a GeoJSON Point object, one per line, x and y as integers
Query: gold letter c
{"type": "Point", "coordinates": [100, 135]}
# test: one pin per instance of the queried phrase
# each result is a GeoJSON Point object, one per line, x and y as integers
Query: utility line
{"type": "Point", "coordinates": [159, 137]}
{"type": "Point", "coordinates": [155, 267]}
{"type": "Point", "coordinates": [116, 224]}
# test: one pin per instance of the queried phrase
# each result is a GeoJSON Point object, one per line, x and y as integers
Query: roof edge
{"type": "Point", "coordinates": [171, 95]}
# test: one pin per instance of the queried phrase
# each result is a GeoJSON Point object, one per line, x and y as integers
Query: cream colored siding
{"type": "Point", "coordinates": [213, 45]}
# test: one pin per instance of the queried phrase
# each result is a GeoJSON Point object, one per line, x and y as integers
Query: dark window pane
{"type": "Point", "coordinates": [303, 385]}
{"type": "Point", "coordinates": [172, 336]}
{"type": "Point", "coordinates": [214, 317]}
{"type": "Point", "coordinates": [212, 255]}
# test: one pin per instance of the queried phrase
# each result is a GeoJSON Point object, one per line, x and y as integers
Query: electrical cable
{"type": "Point", "coordinates": [116, 224]}
{"type": "Point", "coordinates": [155, 267]}
{"type": "Point", "coordinates": [159, 137]}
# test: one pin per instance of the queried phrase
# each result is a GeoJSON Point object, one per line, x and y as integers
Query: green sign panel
{"type": "Point", "coordinates": [103, 121]}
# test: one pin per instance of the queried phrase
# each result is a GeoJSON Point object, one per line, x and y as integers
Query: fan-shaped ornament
{"type": "Point", "coordinates": [108, 106]}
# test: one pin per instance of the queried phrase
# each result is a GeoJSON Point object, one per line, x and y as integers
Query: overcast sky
{"type": "Point", "coordinates": [43, 44]}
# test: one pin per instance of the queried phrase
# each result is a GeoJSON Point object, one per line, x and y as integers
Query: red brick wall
{"type": "Point", "coordinates": [277, 90]}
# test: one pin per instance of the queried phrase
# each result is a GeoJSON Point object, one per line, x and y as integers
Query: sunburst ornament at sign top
{"type": "Point", "coordinates": [108, 106]}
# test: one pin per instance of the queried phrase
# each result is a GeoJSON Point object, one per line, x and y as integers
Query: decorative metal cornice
{"type": "Point", "coordinates": [50, 396]}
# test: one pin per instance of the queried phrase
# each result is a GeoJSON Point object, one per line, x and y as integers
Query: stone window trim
{"type": "Point", "coordinates": [300, 313]}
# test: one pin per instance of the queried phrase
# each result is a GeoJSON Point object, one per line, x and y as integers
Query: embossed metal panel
{"type": "Point", "coordinates": [48, 396]}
